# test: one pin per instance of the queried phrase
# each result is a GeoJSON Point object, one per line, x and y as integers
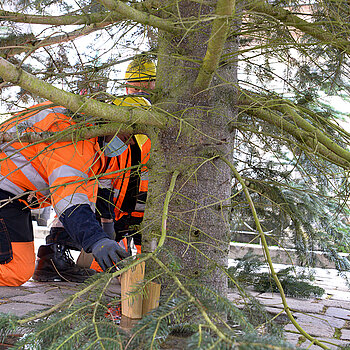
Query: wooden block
{"type": "Point", "coordinates": [132, 304]}
{"type": "Point", "coordinates": [151, 298]}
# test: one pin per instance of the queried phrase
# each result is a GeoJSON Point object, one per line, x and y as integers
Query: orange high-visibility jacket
{"type": "Point", "coordinates": [121, 183]}
{"type": "Point", "coordinates": [61, 172]}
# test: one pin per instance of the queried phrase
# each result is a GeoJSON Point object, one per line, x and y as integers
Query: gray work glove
{"type": "Point", "coordinates": [108, 252]}
{"type": "Point", "coordinates": [108, 227]}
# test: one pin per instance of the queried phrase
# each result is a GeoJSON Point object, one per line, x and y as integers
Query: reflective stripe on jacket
{"type": "Point", "coordinates": [121, 184]}
{"type": "Point", "coordinates": [60, 173]}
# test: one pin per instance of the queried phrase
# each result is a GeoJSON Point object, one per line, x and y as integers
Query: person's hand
{"type": "Point", "coordinates": [108, 252]}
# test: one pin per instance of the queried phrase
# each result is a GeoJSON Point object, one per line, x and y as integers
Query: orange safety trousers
{"type": "Point", "coordinates": [17, 256]}
{"type": "Point", "coordinates": [21, 267]}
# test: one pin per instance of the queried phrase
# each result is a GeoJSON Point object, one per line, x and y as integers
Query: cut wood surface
{"type": "Point", "coordinates": [132, 303]}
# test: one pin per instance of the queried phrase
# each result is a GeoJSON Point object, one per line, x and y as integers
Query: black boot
{"type": "Point", "coordinates": [54, 263]}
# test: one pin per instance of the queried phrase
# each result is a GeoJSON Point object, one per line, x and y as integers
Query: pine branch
{"type": "Point", "coordinates": [290, 19]}
{"type": "Point", "coordinates": [288, 111]}
{"type": "Point", "coordinates": [220, 28]}
{"type": "Point", "coordinates": [118, 12]}
{"type": "Point", "coordinates": [64, 20]}
{"type": "Point", "coordinates": [76, 134]}
{"type": "Point", "coordinates": [33, 45]}
{"type": "Point", "coordinates": [293, 113]}
{"type": "Point", "coordinates": [79, 104]}
{"type": "Point", "coordinates": [139, 16]}
{"type": "Point", "coordinates": [193, 300]}
{"type": "Point", "coordinates": [305, 133]}
{"type": "Point", "coordinates": [166, 208]}
{"type": "Point", "coordinates": [268, 257]}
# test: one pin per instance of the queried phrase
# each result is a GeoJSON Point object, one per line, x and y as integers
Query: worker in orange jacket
{"type": "Point", "coordinates": [62, 174]}
{"type": "Point", "coordinates": [129, 192]}
{"type": "Point", "coordinates": [130, 189]}
{"type": "Point", "coordinates": [130, 196]}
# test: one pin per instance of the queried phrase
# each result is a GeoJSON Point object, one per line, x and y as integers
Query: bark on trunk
{"type": "Point", "coordinates": [198, 218]}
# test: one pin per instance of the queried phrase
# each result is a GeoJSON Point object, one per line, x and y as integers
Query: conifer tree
{"type": "Point", "coordinates": [238, 130]}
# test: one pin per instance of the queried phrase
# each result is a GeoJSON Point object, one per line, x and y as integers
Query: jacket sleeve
{"type": "Point", "coordinates": [81, 224]}
{"type": "Point", "coordinates": [104, 203]}
{"type": "Point", "coordinates": [68, 170]}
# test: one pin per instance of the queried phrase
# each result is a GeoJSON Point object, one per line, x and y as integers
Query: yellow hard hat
{"type": "Point", "coordinates": [131, 101]}
{"type": "Point", "coordinates": [140, 69]}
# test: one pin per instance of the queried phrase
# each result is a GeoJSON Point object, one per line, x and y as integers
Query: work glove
{"type": "Point", "coordinates": [108, 227]}
{"type": "Point", "coordinates": [108, 252]}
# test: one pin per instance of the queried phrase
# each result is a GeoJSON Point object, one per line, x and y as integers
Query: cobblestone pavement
{"type": "Point", "coordinates": [327, 318]}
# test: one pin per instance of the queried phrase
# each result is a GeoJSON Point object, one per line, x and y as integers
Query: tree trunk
{"type": "Point", "coordinates": [197, 227]}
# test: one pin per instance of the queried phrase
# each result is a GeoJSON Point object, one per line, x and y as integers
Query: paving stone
{"type": "Point", "coordinates": [237, 298]}
{"type": "Point", "coordinates": [270, 300]}
{"type": "Point", "coordinates": [345, 334]}
{"type": "Point", "coordinates": [317, 325]}
{"type": "Point", "coordinates": [248, 291]}
{"type": "Point", "coordinates": [40, 298]}
{"type": "Point", "coordinates": [305, 305]}
{"type": "Point", "coordinates": [340, 295]}
{"type": "Point", "coordinates": [6, 292]}
{"type": "Point", "coordinates": [33, 284]}
{"type": "Point", "coordinates": [35, 296]}
{"type": "Point", "coordinates": [299, 341]}
{"type": "Point", "coordinates": [65, 292]}
{"type": "Point", "coordinates": [233, 296]}
{"type": "Point", "coordinates": [113, 290]}
{"type": "Point", "coordinates": [36, 287]}
{"type": "Point", "coordinates": [325, 273]}
{"type": "Point", "coordinates": [64, 288]}
{"type": "Point", "coordinates": [331, 343]}
{"type": "Point", "coordinates": [317, 329]}
{"type": "Point", "coordinates": [275, 311]}
{"type": "Point", "coordinates": [332, 321]}
{"type": "Point", "coordinates": [268, 295]}
{"type": "Point", "coordinates": [326, 285]}
{"type": "Point", "coordinates": [293, 338]}
{"type": "Point", "coordinates": [337, 303]}
{"type": "Point", "coordinates": [280, 318]}
{"type": "Point", "coordinates": [341, 281]}
{"type": "Point", "coordinates": [273, 300]}
{"type": "Point", "coordinates": [20, 309]}
{"type": "Point", "coordinates": [338, 313]}
{"type": "Point", "coordinates": [46, 285]}
{"type": "Point", "coordinates": [326, 296]}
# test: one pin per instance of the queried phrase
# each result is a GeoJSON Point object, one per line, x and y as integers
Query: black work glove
{"type": "Point", "coordinates": [108, 252]}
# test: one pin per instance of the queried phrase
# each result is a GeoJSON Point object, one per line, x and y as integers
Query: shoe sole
{"type": "Point", "coordinates": [56, 278]}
